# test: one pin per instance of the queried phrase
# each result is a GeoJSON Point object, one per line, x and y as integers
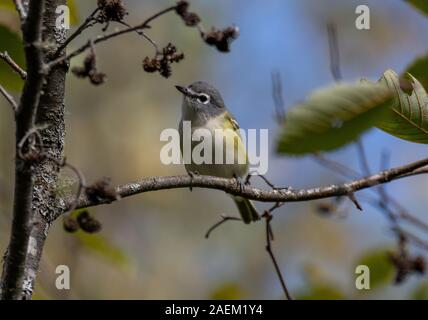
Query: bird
{"type": "Point", "coordinates": [203, 107]}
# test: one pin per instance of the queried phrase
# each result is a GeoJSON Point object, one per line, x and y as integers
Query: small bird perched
{"type": "Point", "coordinates": [204, 108]}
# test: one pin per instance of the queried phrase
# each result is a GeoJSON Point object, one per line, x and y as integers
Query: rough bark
{"type": "Point", "coordinates": [35, 202]}
{"type": "Point", "coordinates": [274, 195]}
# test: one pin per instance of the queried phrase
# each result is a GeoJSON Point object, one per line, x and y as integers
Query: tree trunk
{"type": "Point", "coordinates": [37, 181]}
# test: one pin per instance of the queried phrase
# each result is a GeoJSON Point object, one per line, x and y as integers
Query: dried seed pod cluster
{"type": "Point", "coordinates": [102, 190]}
{"type": "Point", "coordinates": [111, 10]}
{"type": "Point", "coordinates": [221, 39]}
{"type": "Point", "coordinates": [190, 19]}
{"type": "Point", "coordinates": [89, 70]}
{"type": "Point", "coordinates": [162, 62]}
{"type": "Point", "coordinates": [83, 221]}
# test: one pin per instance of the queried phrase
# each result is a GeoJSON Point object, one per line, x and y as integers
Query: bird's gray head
{"type": "Point", "coordinates": [201, 97]}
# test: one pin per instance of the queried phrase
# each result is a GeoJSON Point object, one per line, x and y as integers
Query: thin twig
{"type": "Point", "coordinates": [413, 220]}
{"type": "Point", "coordinates": [415, 239]}
{"type": "Point", "coordinates": [224, 218]}
{"type": "Point", "coordinates": [269, 238]}
{"type": "Point", "coordinates": [278, 97]}
{"type": "Point", "coordinates": [364, 164]}
{"type": "Point", "coordinates": [336, 167]}
{"type": "Point", "coordinates": [354, 200]}
{"type": "Point", "coordinates": [334, 52]}
{"type": "Point", "coordinates": [9, 98]}
{"type": "Point", "coordinates": [145, 36]}
{"type": "Point", "coordinates": [81, 183]}
{"type": "Point", "coordinates": [351, 174]}
{"type": "Point", "coordinates": [40, 154]}
{"type": "Point", "coordinates": [6, 57]}
{"type": "Point", "coordinates": [85, 24]}
{"type": "Point", "coordinates": [141, 26]}
{"type": "Point", "coordinates": [266, 180]}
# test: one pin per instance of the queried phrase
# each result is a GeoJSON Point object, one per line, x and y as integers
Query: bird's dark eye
{"type": "Point", "coordinates": [203, 98]}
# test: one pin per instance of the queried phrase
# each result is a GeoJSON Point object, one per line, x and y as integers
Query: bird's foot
{"type": "Point", "coordinates": [191, 175]}
{"type": "Point", "coordinates": [239, 183]}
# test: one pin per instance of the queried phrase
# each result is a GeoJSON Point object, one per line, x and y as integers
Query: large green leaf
{"type": "Point", "coordinates": [422, 5]}
{"type": "Point", "coordinates": [380, 266]}
{"type": "Point", "coordinates": [12, 43]}
{"type": "Point", "coordinates": [408, 116]}
{"type": "Point", "coordinates": [419, 69]}
{"type": "Point", "coordinates": [333, 117]}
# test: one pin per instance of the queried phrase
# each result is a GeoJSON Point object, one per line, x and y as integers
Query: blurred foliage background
{"type": "Point", "coordinates": [152, 245]}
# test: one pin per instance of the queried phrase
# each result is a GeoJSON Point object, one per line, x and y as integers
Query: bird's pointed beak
{"type": "Point", "coordinates": [183, 90]}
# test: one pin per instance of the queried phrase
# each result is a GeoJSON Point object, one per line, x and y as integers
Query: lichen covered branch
{"type": "Point", "coordinates": [275, 195]}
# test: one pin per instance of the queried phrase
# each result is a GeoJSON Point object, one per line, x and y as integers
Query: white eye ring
{"type": "Point", "coordinates": [203, 98]}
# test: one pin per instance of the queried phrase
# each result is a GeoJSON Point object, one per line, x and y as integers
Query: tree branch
{"type": "Point", "coordinates": [78, 31]}
{"type": "Point", "coordinates": [276, 195]}
{"type": "Point", "coordinates": [9, 98]}
{"type": "Point", "coordinates": [269, 238]}
{"type": "Point", "coordinates": [143, 25]}
{"type": "Point", "coordinates": [13, 282]}
{"type": "Point", "coordinates": [5, 56]}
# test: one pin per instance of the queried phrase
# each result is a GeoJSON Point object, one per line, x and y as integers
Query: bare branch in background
{"type": "Point", "coordinates": [362, 157]}
{"type": "Point", "coordinates": [278, 97]}
{"type": "Point", "coordinates": [385, 201]}
{"type": "Point", "coordinates": [334, 51]}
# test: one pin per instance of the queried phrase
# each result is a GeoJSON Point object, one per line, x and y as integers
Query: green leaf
{"type": "Point", "coordinates": [227, 291]}
{"type": "Point", "coordinates": [12, 43]}
{"type": "Point", "coordinates": [103, 247]}
{"type": "Point", "coordinates": [74, 17]}
{"type": "Point", "coordinates": [422, 5]}
{"type": "Point", "coordinates": [419, 69]}
{"type": "Point", "coordinates": [408, 116]}
{"type": "Point", "coordinates": [420, 292]}
{"type": "Point", "coordinates": [332, 117]}
{"type": "Point", "coordinates": [380, 266]}
{"type": "Point", "coordinates": [322, 292]}
{"type": "Point", "coordinates": [7, 4]}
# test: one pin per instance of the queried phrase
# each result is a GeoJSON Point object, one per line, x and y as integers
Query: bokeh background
{"type": "Point", "coordinates": [152, 245]}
